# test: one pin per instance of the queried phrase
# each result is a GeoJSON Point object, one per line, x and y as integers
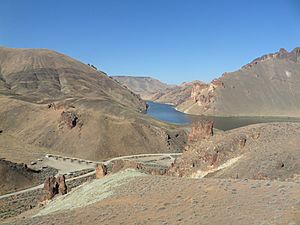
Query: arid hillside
{"type": "Point", "coordinates": [51, 101]}
{"type": "Point", "coordinates": [268, 86]}
{"type": "Point", "coordinates": [146, 87]}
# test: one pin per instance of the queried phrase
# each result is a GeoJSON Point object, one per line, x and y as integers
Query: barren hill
{"type": "Point", "coordinates": [146, 87]}
{"type": "Point", "coordinates": [268, 86]}
{"type": "Point", "coordinates": [52, 101]}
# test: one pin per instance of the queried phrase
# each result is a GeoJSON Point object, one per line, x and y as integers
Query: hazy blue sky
{"type": "Point", "coordinates": [172, 40]}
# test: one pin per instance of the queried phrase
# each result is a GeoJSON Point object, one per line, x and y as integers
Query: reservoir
{"type": "Point", "coordinates": [168, 113]}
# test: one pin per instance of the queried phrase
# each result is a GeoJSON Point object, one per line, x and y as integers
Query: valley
{"type": "Point", "coordinates": [141, 162]}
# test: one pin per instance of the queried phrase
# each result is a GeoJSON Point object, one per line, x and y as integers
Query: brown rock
{"type": "Point", "coordinates": [69, 118]}
{"type": "Point", "coordinates": [53, 186]}
{"type": "Point", "coordinates": [101, 171]}
{"type": "Point", "coordinates": [62, 187]}
{"type": "Point", "coordinates": [50, 188]}
{"type": "Point", "coordinates": [201, 130]}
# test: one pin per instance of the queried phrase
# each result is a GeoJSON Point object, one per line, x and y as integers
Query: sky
{"type": "Point", "coordinates": [171, 40]}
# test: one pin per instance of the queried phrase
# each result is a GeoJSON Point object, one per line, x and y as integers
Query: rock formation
{"type": "Point", "coordinates": [101, 171]}
{"type": "Point", "coordinates": [69, 118]}
{"type": "Point", "coordinates": [54, 186]}
{"type": "Point", "coordinates": [62, 187]}
{"type": "Point", "coordinates": [50, 188]}
{"type": "Point", "coordinates": [178, 94]}
{"type": "Point", "coordinates": [200, 130]}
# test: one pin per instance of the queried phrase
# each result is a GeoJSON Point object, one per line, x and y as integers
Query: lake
{"type": "Point", "coordinates": [168, 113]}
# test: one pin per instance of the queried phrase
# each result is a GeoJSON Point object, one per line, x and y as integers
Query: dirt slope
{"type": "Point", "coordinates": [268, 86]}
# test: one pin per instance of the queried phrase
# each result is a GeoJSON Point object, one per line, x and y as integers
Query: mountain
{"type": "Point", "coordinates": [146, 87]}
{"type": "Point", "coordinates": [51, 101]}
{"type": "Point", "coordinates": [176, 95]}
{"type": "Point", "coordinates": [268, 86]}
{"type": "Point", "coordinates": [154, 90]}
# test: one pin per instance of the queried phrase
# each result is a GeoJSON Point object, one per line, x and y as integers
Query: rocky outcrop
{"type": "Point", "coordinates": [101, 171]}
{"type": "Point", "coordinates": [178, 94]}
{"type": "Point", "coordinates": [205, 151]}
{"type": "Point", "coordinates": [203, 94]}
{"type": "Point", "coordinates": [69, 118]}
{"type": "Point", "coordinates": [50, 188]}
{"type": "Point", "coordinates": [62, 187]}
{"type": "Point", "coordinates": [200, 130]}
{"type": "Point", "coordinates": [54, 186]}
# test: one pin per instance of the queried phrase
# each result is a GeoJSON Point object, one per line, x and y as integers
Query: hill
{"type": "Point", "coordinates": [51, 101]}
{"type": "Point", "coordinates": [146, 87]}
{"type": "Point", "coordinates": [268, 86]}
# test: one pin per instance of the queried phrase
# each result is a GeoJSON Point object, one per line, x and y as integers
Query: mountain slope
{"type": "Point", "coordinates": [268, 86]}
{"type": "Point", "coordinates": [52, 101]}
{"type": "Point", "coordinates": [176, 95]}
{"type": "Point", "coordinates": [146, 87]}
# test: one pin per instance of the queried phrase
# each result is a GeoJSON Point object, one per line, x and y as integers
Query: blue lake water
{"type": "Point", "coordinates": [168, 113]}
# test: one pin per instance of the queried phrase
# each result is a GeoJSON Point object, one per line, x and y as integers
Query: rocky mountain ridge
{"type": "Point", "coordinates": [268, 86]}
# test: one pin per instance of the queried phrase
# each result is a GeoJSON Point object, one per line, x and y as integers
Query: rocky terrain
{"type": "Point", "coordinates": [260, 152]}
{"type": "Point", "coordinates": [176, 95]}
{"type": "Point", "coordinates": [249, 175]}
{"type": "Point", "coordinates": [268, 86]}
{"type": "Point", "coordinates": [55, 104]}
{"type": "Point", "coordinates": [145, 87]}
